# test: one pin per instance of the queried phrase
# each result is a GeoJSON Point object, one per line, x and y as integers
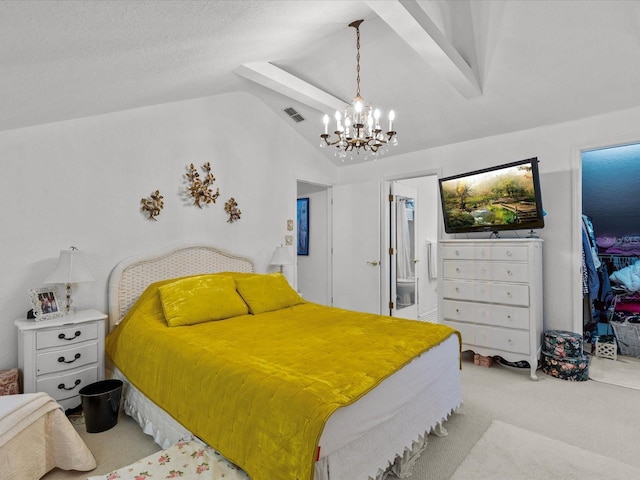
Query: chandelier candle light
{"type": "Point", "coordinates": [359, 130]}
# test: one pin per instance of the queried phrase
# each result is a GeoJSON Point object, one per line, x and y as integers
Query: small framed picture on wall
{"type": "Point", "coordinates": [303, 226]}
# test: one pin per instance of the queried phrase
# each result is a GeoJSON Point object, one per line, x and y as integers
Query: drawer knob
{"type": "Point", "coordinates": [509, 272]}
{"type": "Point", "coordinates": [509, 294]}
{"type": "Point", "coordinates": [62, 336]}
{"type": "Point", "coordinates": [509, 253]}
{"type": "Point", "coordinates": [62, 386]}
{"type": "Point", "coordinates": [62, 359]}
{"type": "Point", "coordinates": [458, 270]}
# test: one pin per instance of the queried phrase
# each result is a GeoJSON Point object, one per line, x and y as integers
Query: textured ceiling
{"type": "Point", "coordinates": [536, 62]}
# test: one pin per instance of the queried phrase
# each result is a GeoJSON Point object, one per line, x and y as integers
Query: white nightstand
{"type": "Point", "coordinates": [62, 355]}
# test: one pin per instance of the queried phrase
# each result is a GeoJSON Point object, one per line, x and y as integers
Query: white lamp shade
{"type": "Point", "coordinates": [281, 256]}
{"type": "Point", "coordinates": [71, 268]}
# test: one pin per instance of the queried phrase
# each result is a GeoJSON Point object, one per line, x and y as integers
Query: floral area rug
{"type": "Point", "coordinates": [190, 459]}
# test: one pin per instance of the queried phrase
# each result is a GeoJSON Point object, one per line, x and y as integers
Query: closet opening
{"type": "Point", "coordinates": [611, 247]}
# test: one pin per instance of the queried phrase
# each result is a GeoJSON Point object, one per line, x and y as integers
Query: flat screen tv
{"type": "Point", "coordinates": [504, 197]}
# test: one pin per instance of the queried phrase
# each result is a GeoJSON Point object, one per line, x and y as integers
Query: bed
{"type": "Point", "coordinates": [375, 422]}
{"type": "Point", "coordinates": [36, 437]}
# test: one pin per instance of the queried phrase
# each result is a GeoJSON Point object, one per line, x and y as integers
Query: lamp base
{"type": "Point", "coordinates": [68, 309]}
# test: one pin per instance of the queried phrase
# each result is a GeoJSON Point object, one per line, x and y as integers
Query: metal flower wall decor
{"type": "Point", "coordinates": [152, 205]}
{"type": "Point", "coordinates": [200, 187]}
{"type": "Point", "coordinates": [231, 207]}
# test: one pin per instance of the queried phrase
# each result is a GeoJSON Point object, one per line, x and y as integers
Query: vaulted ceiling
{"type": "Point", "coordinates": [451, 70]}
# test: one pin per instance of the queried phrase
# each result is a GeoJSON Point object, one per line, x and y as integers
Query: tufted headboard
{"type": "Point", "coordinates": [133, 275]}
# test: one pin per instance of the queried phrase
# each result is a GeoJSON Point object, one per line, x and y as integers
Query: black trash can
{"type": "Point", "coordinates": [100, 404]}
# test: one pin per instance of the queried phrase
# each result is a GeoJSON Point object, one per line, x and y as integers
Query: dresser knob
{"type": "Point", "coordinates": [509, 253]}
{"type": "Point", "coordinates": [63, 387]}
{"type": "Point", "coordinates": [509, 294]}
{"type": "Point", "coordinates": [62, 336]}
{"type": "Point", "coordinates": [509, 272]}
{"type": "Point", "coordinates": [62, 360]}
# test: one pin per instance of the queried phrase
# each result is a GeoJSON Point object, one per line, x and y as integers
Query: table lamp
{"type": "Point", "coordinates": [281, 257]}
{"type": "Point", "coordinates": [71, 268]}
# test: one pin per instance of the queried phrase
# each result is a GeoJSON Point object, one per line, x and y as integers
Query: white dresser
{"type": "Point", "coordinates": [62, 355]}
{"type": "Point", "coordinates": [491, 291]}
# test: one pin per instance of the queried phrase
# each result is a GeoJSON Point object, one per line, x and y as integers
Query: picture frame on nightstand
{"type": "Point", "coordinates": [47, 303]}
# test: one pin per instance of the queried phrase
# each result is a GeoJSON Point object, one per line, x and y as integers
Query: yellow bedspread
{"type": "Point", "coordinates": [259, 388]}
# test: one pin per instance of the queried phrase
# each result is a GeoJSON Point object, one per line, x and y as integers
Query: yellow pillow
{"type": "Point", "coordinates": [201, 298]}
{"type": "Point", "coordinates": [267, 292]}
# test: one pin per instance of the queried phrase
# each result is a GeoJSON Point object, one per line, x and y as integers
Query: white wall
{"type": "Point", "coordinates": [80, 183]}
{"type": "Point", "coordinates": [558, 149]}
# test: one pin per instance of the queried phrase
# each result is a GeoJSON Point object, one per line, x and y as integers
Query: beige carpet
{"type": "Point", "coordinates": [506, 452]}
{"type": "Point", "coordinates": [623, 372]}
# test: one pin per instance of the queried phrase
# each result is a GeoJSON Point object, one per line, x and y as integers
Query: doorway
{"type": "Point", "coordinates": [314, 267]}
{"type": "Point", "coordinates": [415, 290]}
{"type": "Point", "coordinates": [611, 237]}
{"type": "Point", "coordinates": [362, 266]}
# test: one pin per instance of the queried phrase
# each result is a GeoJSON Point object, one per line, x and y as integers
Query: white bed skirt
{"type": "Point", "coordinates": [384, 431]}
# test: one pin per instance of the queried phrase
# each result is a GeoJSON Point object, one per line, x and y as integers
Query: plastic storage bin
{"type": "Point", "coordinates": [101, 404]}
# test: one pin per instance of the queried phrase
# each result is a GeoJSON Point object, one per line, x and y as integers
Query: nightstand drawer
{"type": "Point", "coordinates": [68, 384]}
{"type": "Point", "coordinates": [67, 358]}
{"type": "Point", "coordinates": [66, 335]}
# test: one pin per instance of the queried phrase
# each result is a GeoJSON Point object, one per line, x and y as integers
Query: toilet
{"type": "Point", "coordinates": [405, 288]}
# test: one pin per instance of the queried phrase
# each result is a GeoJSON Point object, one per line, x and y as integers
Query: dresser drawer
{"type": "Point", "coordinates": [68, 384]}
{"type": "Point", "coordinates": [486, 292]}
{"type": "Point", "coordinates": [66, 335]}
{"type": "Point", "coordinates": [516, 253]}
{"type": "Point", "coordinates": [495, 271]}
{"type": "Point", "coordinates": [514, 341]}
{"type": "Point", "coordinates": [467, 331]}
{"type": "Point", "coordinates": [486, 314]}
{"type": "Point", "coordinates": [66, 358]}
{"type": "Point", "coordinates": [462, 252]}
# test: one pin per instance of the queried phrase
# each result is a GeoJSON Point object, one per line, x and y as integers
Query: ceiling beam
{"type": "Point", "coordinates": [274, 78]}
{"type": "Point", "coordinates": [416, 28]}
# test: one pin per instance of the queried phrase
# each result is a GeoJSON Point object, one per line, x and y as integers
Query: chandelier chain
{"type": "Point", "coordinates": [357, 61]}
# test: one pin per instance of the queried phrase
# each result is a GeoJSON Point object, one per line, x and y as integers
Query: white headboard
{"type": "Point", "coordinates": [133, 275]}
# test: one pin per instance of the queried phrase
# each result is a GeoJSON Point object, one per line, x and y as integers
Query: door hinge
{"type": "Point", "coordinates": [391, 252]}
{"type": "Point", "coordinates": [391, 198]}
{"type": "Point", "coordinates": [390, 305]}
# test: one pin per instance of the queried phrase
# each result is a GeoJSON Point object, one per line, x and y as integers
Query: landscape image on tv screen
{"type": "Point", "coordinates": [499, 198]}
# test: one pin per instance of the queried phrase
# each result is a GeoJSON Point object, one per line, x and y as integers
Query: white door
{"type": "Point", "coordinates": [403, 253]}
{"type": "Point", "coordinates": [356, 246]}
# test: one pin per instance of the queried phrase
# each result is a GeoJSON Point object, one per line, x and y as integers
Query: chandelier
{"type": "Point", "coordinates": [358, 129]}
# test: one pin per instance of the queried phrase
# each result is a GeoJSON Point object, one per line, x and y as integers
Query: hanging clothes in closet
{"type": "Point", "coordinates": [596, 286]}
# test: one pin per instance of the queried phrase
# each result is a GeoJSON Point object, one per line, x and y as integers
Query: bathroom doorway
{"type": "Point", "coordinates": [314, 268]}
